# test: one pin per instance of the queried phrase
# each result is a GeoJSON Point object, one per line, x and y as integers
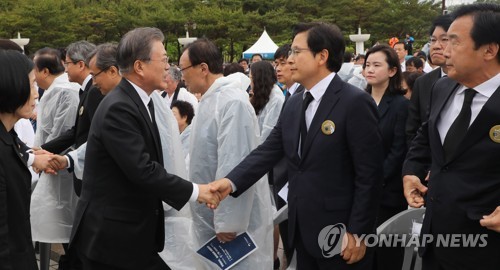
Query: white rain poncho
{"type": "Point", "coordinates": [178, 252]}
{"type": "Point", "coordinates": [268, 116]}
{"type": "Point", "coordinates": [185, 135]}
{"type": "Point", "coordinates": [224, 131]}
{"type": "Point", "coordinates": [53, 201]}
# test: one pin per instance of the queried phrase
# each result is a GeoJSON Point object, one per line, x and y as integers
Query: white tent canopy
{"type": "Point", "coordinates": [264, 46]}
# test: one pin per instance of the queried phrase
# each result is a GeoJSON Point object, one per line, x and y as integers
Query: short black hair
{"type": "Point", "coordinates": [486, 17]}
{"type": "Point", "coordinates": [324, 36]}
{"type": "Point", "coordinates": [243, 60]}
{"type": "Point", "coordinates": [359, 56]}
{"type": "Point", "coordinates": [282, 52]}
{"type": "Point", "coordinates": [203, 50]}
{"type": "Point", "coordinates": [443, 21]}
{"type": "Point", "coordinates": [392, 60]}
{"type": "Point", "coordinates": [416, 61]}
{"type": "Point", "coordinates": [233, 68]}
{"type": "Point", "coordinates": [50, 59]}
{"type": "Point", "coordinates": [410, 78]}
{"type": "Point", "coordinates": [185, 109]}
{"type": "Point", "coordinates": [257, 54]}
{"type": "Point", "coordinates": [15, 85]}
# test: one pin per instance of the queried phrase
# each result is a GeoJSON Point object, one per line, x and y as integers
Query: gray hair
{"type": "Point", "coordinates": [175, 73]}
{"type": "Point", "coordinates": [136, 45]}
{"type": "Point", "coordinates": [105, 55]}
{"type": "Point", "coordinates": [78, 51]}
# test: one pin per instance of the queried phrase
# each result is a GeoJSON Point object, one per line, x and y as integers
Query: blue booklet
{"type": "Point", "coordinates": [228, 254]}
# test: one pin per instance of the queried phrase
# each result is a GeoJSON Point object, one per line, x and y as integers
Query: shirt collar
{"type": "Point", "coordinates": [142, 94]}
{"type": "Point", "coordinates": [293, 88]}
{"type": "Point", "coordinates": [86, 81]}
{"type": "Point", "coordinates": [443, 74]}
{"type": "Point", "coordinates": [318, 90]}
{"type": "Point", "coordinates": [487, 88]}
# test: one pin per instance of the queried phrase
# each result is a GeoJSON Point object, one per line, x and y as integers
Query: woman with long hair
{"type": "Point", "coordinates": [383, 75]}
{"type": "Point", "coordinates": [265, 96]}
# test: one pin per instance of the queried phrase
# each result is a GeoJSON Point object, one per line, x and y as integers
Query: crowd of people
{"type": "Point", "coordinates": [130, 162]}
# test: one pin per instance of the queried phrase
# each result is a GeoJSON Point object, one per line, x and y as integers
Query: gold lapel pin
{"type": "Point", "coordinates": [495, 133]}
{"type": "Point", "coordinates": [328, 127]}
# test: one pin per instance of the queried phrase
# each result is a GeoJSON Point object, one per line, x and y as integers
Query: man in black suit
{"type": "Point", "coordinates": [78, 71]}
{"type": "Point", "coordinates": [119, 221]}
{"type": "Point", "coordinates": [333, 151]}
{"type": "Point", "coordinates": [462, 139]}
{"type": "Point", "coordinates": [421, 95]}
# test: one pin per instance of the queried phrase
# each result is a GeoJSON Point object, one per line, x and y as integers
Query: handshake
{"type": "Point", "coordinates": [48, 162]}
{"type": "Point", "coordinates": [213, 193]}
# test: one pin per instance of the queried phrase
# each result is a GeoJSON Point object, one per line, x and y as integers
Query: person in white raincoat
{"type": "Point", "coordinates": [53, 200]}
{"type": "Point", "coordinates": [223, 132]}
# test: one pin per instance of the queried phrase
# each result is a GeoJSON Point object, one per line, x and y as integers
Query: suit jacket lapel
{"type": "Point", "coordinates": [485, 120]}
{"type": "Point", "coordinates": [130, 91]}
{"type": "Point", "coordinates": [292, 129]}
{"type": "Point", "coordinates": [328, 102]}
{"type": "Point", "coordinates": [384, 105]}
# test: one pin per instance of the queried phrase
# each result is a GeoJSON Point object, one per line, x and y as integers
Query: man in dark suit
{"type": "Point", "coordinates": [421, 95]}
{"type": "Point", "coordinates": [78, 71]}
{"type": "Point", "coordinates": [119, 221]}
{"type": "Point", "coordinates": [333, 151]}
{"type": "Point", "coordinates": [462, 139]}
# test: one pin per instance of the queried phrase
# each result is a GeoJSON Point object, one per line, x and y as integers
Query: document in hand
{"type": "Point", "coordinates": [228, 254]}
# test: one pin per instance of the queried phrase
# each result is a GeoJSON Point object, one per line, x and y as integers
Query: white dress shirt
{"type": "Point", "coordinates": [317, 91]}
{"type": "Point", "coordinates": [454, 104]}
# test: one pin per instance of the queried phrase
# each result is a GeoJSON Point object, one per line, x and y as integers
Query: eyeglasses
{"type": "Point", "coordinates": [98, 73]}
{"type": "Point", "coordinates": [295, 51]}
{"type": "Point", "coordinates": [70, 62]}
{"type": "Point", "coordinates": [442, 40]}
{"type": "Point", "coordinates": [190, 66]}
{"type": "Point", "coordinates": [164, 60]}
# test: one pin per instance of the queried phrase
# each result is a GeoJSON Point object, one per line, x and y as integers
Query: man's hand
{"type": "Point", "coordinates": [226, 236]}
{"type": "Point", "coordinates": [58, 162]}
{"type": "Point", "coordinates": [492, 221]}
{"type": "Point", "coordinates": [40, 151]}
{"type": "Point", "coordinates": [352, 253]}
{"type": "Point", "coordinates": [209, 197]}
{"type": "Point", "coordinates": [223, 186]}
{"type": "Point", "coordinates": [414, 191]}
{"type": "Point", "coordinates": [42, 163]}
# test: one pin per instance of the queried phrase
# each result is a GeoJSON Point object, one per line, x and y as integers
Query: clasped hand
{"type": "Point", "coordinates": [48, 162]}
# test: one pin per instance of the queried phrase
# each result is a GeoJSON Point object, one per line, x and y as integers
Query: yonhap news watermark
{"type": "Point", "coordinates": [332, 240]}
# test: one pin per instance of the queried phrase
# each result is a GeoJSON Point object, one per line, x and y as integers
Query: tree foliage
{"type": "Point", "coordinates": [234, 25]}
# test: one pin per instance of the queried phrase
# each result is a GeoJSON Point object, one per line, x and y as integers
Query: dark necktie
{"type": "Point", "coordinates": [164, 94]}
{"type": "Point", "coordinates": [80, 92]}
{"type": "Point", "coordinates": [156, 136]}
{"type": "Point", "coordinates": [458, 129]}
{"type": "Point", "coordinates": [303, 126]}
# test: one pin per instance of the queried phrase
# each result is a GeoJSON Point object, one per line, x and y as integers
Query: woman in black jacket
{"type": "Point", "coordinates": [17, 100]}
{"type": "Point", "coordinates": [383, 75]}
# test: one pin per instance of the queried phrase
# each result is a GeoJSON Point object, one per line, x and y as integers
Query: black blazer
{"type": "Point", "coordinates": [77, 135]}
{"type": "Point", "coordinates": [119, 217]}
{"type": "Point", "coordinates": [464, 188]}
{"type": "Point", "coordinates": [338, 179]}
{"type": "Point", "coordinates": [419, 102]}
{"type": "Point", "coordinates": [16, 246]}
{"type": "Point", "coordinates": [393, 112]}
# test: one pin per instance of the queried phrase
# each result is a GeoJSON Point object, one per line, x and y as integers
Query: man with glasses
{"type": "Point", "coordinates": [77, 68]}
{"type": "Point", "coordinates": [421, 95]}
{"type": "Point", "coordinates": [223, 132]}
{"type": "Point", "coordinates": [119, 221]}
{"type": "Point", "coordinates": [331, 142]}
